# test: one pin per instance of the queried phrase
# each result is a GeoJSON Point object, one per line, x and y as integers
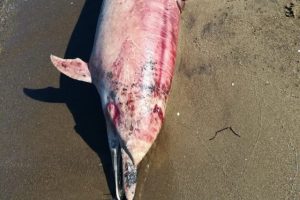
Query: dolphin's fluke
{"type": "Point", "coordinates": [74, 68]}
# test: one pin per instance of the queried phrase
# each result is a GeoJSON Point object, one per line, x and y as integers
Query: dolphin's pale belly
{"type": "Point", "coordinates": [135, 51]}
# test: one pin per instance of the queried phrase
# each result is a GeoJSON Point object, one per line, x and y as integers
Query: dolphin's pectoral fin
{"type": "Point", "coordinates": [129, 175]}
{"type": "Point", "coordinates": [74, 68]}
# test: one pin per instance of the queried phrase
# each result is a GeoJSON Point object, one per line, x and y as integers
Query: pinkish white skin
{"type": "Point", "coordinates": [74, 68]}
{"type": "Point", "coordinates": [181, 4]}
{"type": "Point", "coordinates": [132, 66]}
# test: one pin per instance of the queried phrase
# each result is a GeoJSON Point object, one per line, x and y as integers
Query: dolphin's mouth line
{"type": "Point", "coordinates": [118, 172]}
{"type": "Point", "coordinates": [124, 147]}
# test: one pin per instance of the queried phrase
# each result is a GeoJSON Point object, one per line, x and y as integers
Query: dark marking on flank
{"type": "Point", "coordinates": [130, 174]}
{"type": "Point", "coordinates": [152, 88]}
{"type": "Point", "coordinates": [131, 128]}
{"type": "Point", "coordinates": [109, 75]}
{"type": "Point", "coordinates": [133, 85]}
{"type": "Point", "coordinates": [112, 94]}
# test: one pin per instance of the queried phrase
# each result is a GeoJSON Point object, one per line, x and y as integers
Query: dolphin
{"type": "Point", "coordinates": [131, 65]}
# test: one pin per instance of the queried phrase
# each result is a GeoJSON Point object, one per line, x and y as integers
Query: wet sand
{"type": "Point", "coordinates": [238, 65]}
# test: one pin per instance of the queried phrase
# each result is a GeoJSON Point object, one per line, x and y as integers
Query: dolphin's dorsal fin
{"type": "Point", "coordinates": [73, 68]}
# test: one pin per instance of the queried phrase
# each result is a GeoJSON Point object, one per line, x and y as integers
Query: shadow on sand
{"type": "Point", "coordinates": [82, 98]}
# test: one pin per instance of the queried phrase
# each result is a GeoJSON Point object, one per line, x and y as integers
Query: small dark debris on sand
{"type": "Point", "coordinates": [293, 9]}
{"type": "Point", "coordinates": [289, 10]}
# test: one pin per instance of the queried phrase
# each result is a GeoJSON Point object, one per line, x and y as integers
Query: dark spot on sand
{"type": "Point", "coordinates": [207, 28]}
{"type": "Point", "coordinates": [216, 27]}
{"type": "Point", "coordinates": [191, 22]}
{"type": "Point", "coordinates": [289, 12]}
{"type": "Point", "coordinates": [202, 69]}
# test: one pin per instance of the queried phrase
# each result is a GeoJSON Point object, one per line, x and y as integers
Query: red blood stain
{"type": "Point", "coordinates": [64, 65]}
{"type": "Point", "coordinates": [129, 101]}
{"type": "Point", "coordinates": [75, 63]}
{"type": "Point", "coordinates": [159, 112]}
{"type": "Point", "coordinates": [118, 65]}
{"type": "Point", "coordinates": [131, 107]}
{"type": "Point", "coordinates": [147, 137]}
{"type": "Point", "coordinates": [114, 112]}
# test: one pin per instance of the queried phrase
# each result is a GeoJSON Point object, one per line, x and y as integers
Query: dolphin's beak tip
{"type": "Point", "coordinates": [130, 194]}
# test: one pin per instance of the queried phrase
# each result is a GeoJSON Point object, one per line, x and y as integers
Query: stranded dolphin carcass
{"type": "Point", "coordinates": [132, 66]}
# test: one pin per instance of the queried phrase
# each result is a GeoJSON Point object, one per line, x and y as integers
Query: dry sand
{"type": "Point", "coordinates": [238, 65]}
